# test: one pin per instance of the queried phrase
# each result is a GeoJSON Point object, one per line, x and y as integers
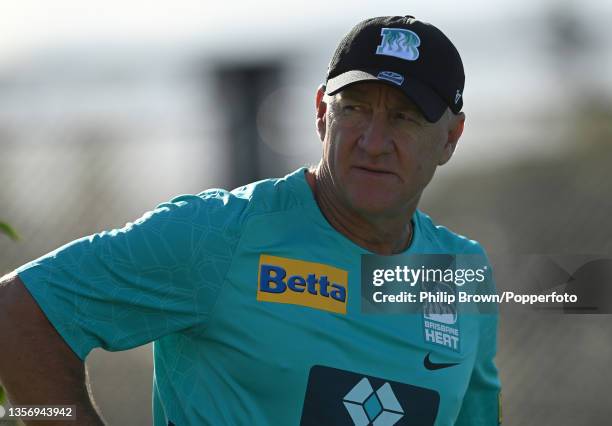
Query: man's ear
{"type": "Point", "coordinates": [321, 108]}
{"type": "Point", "coordinates": [456, 123]}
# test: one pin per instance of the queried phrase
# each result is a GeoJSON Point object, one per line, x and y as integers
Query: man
{"type": "Point", "coordinates": [251, 297]}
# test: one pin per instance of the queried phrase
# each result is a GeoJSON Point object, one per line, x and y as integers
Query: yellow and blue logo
{"type": "Point", "coordinates": [297, 282]}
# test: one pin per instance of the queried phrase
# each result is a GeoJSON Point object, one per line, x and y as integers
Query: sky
{"type": "Point", "coordinates": [31, 24]}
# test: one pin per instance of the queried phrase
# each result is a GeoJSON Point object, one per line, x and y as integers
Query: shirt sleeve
{"type": "Point", "coordinates": [126, 287]}
{"type": "Point", "coordinates": [482, 400]}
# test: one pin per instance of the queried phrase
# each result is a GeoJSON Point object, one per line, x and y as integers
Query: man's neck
{"type": "Point", "coordinates": [381, 235]}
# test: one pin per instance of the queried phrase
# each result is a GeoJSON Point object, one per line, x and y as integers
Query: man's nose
{"type": "Point", "coordinates": [376, 138]}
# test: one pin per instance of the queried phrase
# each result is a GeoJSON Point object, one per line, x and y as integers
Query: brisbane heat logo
{"type": "Point", "coordinates": [297, 282]}
{"type": "Point", "coordinates": [398, 42]}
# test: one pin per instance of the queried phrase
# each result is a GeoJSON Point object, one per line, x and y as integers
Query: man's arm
{"type": "Point", "coordinates": [36, 366]}
{"type": "Point", "coordinates": [115, 290]}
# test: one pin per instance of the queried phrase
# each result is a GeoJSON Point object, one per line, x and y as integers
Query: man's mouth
{"type": "Point", "coordinates": [374, 170]}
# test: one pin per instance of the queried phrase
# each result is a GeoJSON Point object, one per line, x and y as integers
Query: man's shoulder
{"type": "Point", "coordinates": [219, 205]}
{"type": "Point", "coordinates": [442, 239]}
{"type": "Point", "coordinates": [271, 195]}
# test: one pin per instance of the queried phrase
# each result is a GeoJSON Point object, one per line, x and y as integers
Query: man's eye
{"type": "Point", "coordinates": [405, 116]}
{"type": "Point", "coordinates": [350, 108]}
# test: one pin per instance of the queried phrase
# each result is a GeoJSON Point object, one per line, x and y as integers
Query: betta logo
{"type": "Point", "coordinates": [296, 282]}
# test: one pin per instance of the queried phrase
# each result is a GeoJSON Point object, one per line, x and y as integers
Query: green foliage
{"type": "Point", "coordinates": [6, 229]}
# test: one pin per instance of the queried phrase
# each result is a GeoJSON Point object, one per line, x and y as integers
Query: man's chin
{"type": "Point", "coordinates": [375, 204]}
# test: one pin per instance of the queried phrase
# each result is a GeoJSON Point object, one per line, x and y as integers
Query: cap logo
{"type": "Point", "coordinates": [400, 43]}
{"type": "Point", "coordinates": [457, 96]}
{"type": "Point", "coordinates": [391, 76]}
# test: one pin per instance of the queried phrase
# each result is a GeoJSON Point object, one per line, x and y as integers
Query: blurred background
{"type": "Point", "coordinates": [110, 108]}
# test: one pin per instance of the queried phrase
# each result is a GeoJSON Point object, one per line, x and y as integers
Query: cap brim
{"type": "Point", "coordinates": [428, 101]}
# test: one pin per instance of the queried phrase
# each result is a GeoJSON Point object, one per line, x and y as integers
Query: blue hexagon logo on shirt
{"type": "Point", "coordinates": [369, 407]}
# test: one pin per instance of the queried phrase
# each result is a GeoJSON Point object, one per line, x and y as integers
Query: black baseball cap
{"type": "Point", "coordinates": [403, 52]}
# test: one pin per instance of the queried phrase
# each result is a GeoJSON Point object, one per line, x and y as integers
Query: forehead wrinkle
{"type": "Point", "coordinates": [386, 96]}
{"type": "Point", "coordinates": [352, 94]}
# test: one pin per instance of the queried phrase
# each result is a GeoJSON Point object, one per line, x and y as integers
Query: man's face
{"type": "Point", "coordinates": [378, 148]}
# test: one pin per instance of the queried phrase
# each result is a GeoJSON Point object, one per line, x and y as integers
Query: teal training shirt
{"type": "Point", "coordinates": [252, 301]}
